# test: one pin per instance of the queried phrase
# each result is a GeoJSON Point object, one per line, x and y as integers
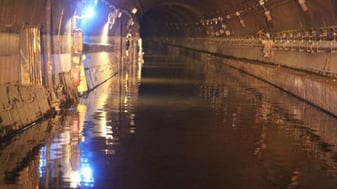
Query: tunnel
{"type": "Point", "coordinates": [168, 94]}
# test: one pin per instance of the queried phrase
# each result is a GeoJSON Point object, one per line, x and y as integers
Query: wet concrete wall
{"type": "Point", "coordinates": [100, 67]}
{"type": "Point", "coordinates": [294, 55]}
{"type": "Point", "coordinates": [103, 61]}
{"type": "Point", "coordinates": [309, 122]}
{"type": "Point", "coordinates": [320, 91]}
{"type": "Point", "coordinates": [24, 104]}
{"type": "Point", "coordinates": [20, 106]}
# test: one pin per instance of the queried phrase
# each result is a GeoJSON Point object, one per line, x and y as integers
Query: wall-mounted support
{"type": "Point", "coordinates": [242, 22]}
{"type": "Point", "coordinates": [49, 65]}
{"type": "Point", "coordinates": [303, 5]}
{"type": "Point", "coordinates": [266, 12]}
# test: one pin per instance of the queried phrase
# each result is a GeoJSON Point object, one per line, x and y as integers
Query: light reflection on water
{"type": "Point", "coordinates": [95, 132]}
{"type": "Point", "coordinates": [297, 142]}
{"type": "Point", "coordinates": [183, 125]}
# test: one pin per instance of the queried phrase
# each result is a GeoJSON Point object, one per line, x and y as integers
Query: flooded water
{"type": "Point", "coordinates": [176, 122]}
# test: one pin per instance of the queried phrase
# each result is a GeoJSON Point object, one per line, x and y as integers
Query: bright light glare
{"type": "Point", "coordinates": [68, 26]}
{"type": "Point", "coordinates": [87, 175]}
{"type": "Point", "coordinates": [89, 12]}
{"type": "Point", "coordinates": [75, 179]}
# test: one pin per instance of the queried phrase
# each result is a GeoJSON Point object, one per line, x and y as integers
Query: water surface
{"type": "Point", "coordinates": [177, 122]}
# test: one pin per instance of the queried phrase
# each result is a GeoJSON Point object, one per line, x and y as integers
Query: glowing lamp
{"type": "Point", "coordinates": [89, 12]}
{"type": "Point", "coordinates": [134, 11]}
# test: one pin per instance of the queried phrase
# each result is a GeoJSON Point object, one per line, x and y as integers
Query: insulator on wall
{"type": "Point", "coordinates": [303, 5]}
{"type": "Point", "coordinates": [330, 33]}
{"type": "Point", "coordinates": [242, 22]}
{"type": "Point", "coordinates": [267, 13]}
{"type": "Point", "coordinates": [228, 33]}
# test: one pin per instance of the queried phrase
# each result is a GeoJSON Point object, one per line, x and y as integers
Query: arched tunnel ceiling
{"type": "Point", "coordinates": [241, 17]}
{"type": "Point", "coordinates": [171, 17]}
{"type": "Point", "coordinates": [198, 6]}
{"type": "Point", "coordinates": [187, 17]}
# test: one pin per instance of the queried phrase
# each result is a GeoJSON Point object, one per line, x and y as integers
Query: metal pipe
{"type": "Point", "coordinates": [59, 32]}
{"type": "Point", "coordinates": [121, 43]}
{"type": "Point", "coordinates": [49, 66]}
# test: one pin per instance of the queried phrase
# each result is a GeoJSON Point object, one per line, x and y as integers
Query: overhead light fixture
{"type": "Point", "coordinates": [89, 12]}
{"type": "Point", "coordinates": [134, 11]}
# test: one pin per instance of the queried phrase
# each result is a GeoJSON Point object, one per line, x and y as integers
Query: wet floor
{"type": "Point", "coordinates": [177, 122]}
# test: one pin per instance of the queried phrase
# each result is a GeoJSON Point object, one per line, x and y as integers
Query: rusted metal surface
{"type": "Point", "coordinates": [10, 71]}
{"type": "Point", "coordinates": [31, 57]}
{"type": "Point", "coordinates": [9, 44]}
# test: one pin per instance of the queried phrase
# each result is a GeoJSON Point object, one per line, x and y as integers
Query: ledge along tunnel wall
{"type": "Point", "coordinates": [305, 76]}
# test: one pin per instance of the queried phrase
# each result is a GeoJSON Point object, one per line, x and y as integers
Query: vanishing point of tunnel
{"type": "Point", "coordinates": [168, 94]}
